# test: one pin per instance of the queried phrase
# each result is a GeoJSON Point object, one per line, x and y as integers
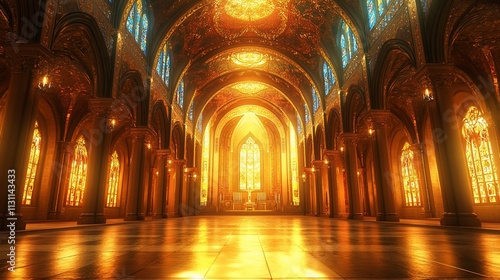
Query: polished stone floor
{"type": "Point", "coordinates": [255, 247]}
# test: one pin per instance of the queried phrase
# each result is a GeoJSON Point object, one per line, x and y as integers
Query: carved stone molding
{"type": "Point", "coordinates": [350, 139]}
{"type": "Point", "coordinates": [381, 119]}
{"type": "Point", "coordinates": [163, 153]}
{"type": "Point", "coordinates": [25, 57]}
{"type": "Point", "coordinates": [101, 107]}
{"type": "Point", "coordinates": [437, 75]}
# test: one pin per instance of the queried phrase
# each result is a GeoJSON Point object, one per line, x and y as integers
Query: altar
{"type": "Point", "coordinates": [249, 206]}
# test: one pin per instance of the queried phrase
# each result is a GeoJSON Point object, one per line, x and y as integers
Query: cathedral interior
{"type": "Point", "coordinates": [343, 110]}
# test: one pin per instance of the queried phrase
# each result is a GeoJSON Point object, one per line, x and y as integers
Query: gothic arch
{"type": "Point", "coordinates": [133, 94]}
{"type": "Point", "coordinates": [354, 105]}
{"type": "Point", "coordinates": [161, 124]}
{"type": "Point", "coordinates": [99, 58]}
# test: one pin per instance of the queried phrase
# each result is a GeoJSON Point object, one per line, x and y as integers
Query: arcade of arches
{"type": "Point", "coordinates": [337, 108]}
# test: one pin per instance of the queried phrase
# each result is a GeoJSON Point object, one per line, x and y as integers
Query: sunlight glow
{"type": "Point", "coordinates": [249, 59]}
{"type": "Point", "coordinates": [249, 87]}
{"type": "Point", "coordinates": [249, 10]}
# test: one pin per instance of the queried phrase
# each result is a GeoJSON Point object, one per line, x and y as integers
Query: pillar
{"type": "Point", "coordinates": [61, 169]}
{"type": "Point", "coordinates": [333, 163]}
{"type": "Point", "coordinates": [137, 173]}
{"type": "Point", "coordinates": [381, 120]}
{"type": "Point", "coordinates": [320, 171]}
{"type": "Point", "coordinates": [425, 192]}
{"type": "Point", "coordinates": [99, 152]}
{"type": "Point", "coordinates": [17, 132]}
{"type": "Point", "coordinates": [457, 193]}
{"type": "Point", "coordinates": [160, 198]}
{"type": "Point", "coordinates": [355, 198]}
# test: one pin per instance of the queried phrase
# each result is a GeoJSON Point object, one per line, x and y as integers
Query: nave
{"type": "Point", "coordinates": [257, 247]}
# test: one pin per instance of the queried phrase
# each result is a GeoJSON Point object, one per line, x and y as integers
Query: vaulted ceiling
{"type": "Point", "coordinates": [263, 53]}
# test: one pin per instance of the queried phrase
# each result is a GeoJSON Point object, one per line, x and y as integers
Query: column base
{"type": "Point", "coordinates": [91, 218]}
{"type": "Point", "coordinates": [134, 217]}
{"type": "Point", "coordinates": [428, 214]}
{"type": "Point", "coordinates": [159, 216]}
{"type": "Point", "coordinates": [16, 222]}
{"type": "Point", "coordinates": [356, 216]}
{"type": "Point", "coordinates": [460, 219]}
{"type": "Point", "coordinates": [387, 217]}
{"type": "Point", "coordinates": [55, 216]}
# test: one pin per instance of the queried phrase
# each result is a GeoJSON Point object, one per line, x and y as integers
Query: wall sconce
{"type": "Point", "coordinates": [325, 161]}
{"type": "Point", "coordinates": [157, 173]}
{"type": "Point", "coordinates": [428, 96]}
{"type": "Point", "coordinates": [149, 146]}
{"type": "Point", "coordinates": [371, 131]}
{"type": "Point", "coordinates": [194, 177]}
{"type": "Point", "coordinates": [44, 83]}
{"type": "Point", "coordinates": [303, 177]}
{"type": "Point", "coordinates": [341, 149]}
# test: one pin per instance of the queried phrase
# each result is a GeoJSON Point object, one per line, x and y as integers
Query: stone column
{"type": "Point", "coordinates": [175, 188]}
{"type": "Point", "coordinates": [17, 132]}
{"type": "Point", "coordinates": [381, 120]}
{"type": "Point", "coordinates": [61, 169]}
{"type": "Point", "coordinates": [99, 152]}
{"type": "Point", "coordinates": [457, 193]}
{"type": "Point", "coordinates": [160, 199]}
{"type": "Point", "coordinates": [136, 187]}
{"type": "Point", "coordinates": [333, 159]}
{"type": "Point", "coordinates": [355, 199]}
{"type": "Point", "coordinates": [318, 183]}
{"type": "Point", "coordinates": [308, 190]}
{"type": "Point", "coordinates": [418, 161]}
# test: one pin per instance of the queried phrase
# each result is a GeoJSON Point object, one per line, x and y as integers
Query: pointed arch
{"type": "Point", "coordinates": [77, 21]}
{"type": "Point", "coordinates": [161, 124]}
{"type": "Point", "coordinates": [355, 104]}
{"type": "Point", "coordinates": [131, 89]}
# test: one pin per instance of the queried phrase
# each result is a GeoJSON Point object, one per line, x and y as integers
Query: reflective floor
{"type": "Point", "coordinates": [254, 247]}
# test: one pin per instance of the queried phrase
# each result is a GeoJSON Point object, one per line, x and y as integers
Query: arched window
{"type": "Point", "coordinates": [137, 23]}
{"type": "Point", "coordinates": [250, 165]}
{"type": "Point", "coordinates": [200, 123]}
{"type": "Point", "coordinates": [76, 187]}
{"type": "Point", "coordinates": [180, 93]}
{"type": "Point", "coordinates": [114, 178]}
{"type": "Point", "coordinates": [348, 44]}
{"type": "Point", "coordinates": [328, 77]}
{"type": "Point", "coordinates": [32, 166]}
{"type": "Point", "coordinates": [163, 64]}
{"type": "Point", "coordinates": [299, 125]}
{"type": "Point", "coordinates": [191, 111]}
{"type": "Point", "coordinates": [410, 179]}
{"type": "Point", "coordinates": [306, 113]}
{"type": "Point", "coordinates": [315, 100]}
{"type": "Point", "coordinates": [375, 10]}
{"type": "Point", "coordinates": [482, 169]}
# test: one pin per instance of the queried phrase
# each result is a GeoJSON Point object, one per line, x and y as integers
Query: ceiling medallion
{"type": "Point", "coordinates": [249, 87]}
{"type": "Point", "coordinates": [249, 10]}
{"type": "Point", "coordinates": [249, 59]}
{"type": "Point", "coordinates": [265, 18]}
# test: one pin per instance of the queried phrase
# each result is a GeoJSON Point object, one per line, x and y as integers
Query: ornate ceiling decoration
{"type": "Point", "coordinates": [249, 59]}
{"type": "Point", "coordinates": [250, 87]}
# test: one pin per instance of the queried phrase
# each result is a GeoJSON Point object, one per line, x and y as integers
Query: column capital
{"type": "Point", "coordinates": [179, 162]}
{"type": "Point", "coordinates": [380, 119]}
{"type": "Point", "coordinates": [140, 132]}
{"type": "Point", "coordinates": [101, 107]}
{"type": "Point", "coordinates": [318, 163]}
{"type": "Point", "coordinates": [163, 153]}
{"type": "Point", "coordinates": [331, 154]}
{"type": "Point", "coordinates": [349, 138]}
{"type": "Point", "coordinates": [25, 57]}
{"type": "Point", "coordinates": [437, 75]}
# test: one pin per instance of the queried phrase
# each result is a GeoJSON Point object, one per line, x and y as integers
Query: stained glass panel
{"type": "Point", "coordinates": [306, 111]}
{"type": "Point", "coordinates": [76, 187]}
{"type": "Point", "coordinates": [131, 18]}
{"type": "Point", "coordinates": [410, 180]}
{"type": "Point", "coordinates": [370, 4]}
{"type": "Point", "coordinates": [191, 111]}
{"type": "Point", "coordinates": [343, 46]}
{"type": "Point", "coordinates": [144, 32]}
{"type": "Point", "coordinates": [32, 166]}
{"type": "Point", "coordinates": [114, 173]}
{"type": "Point", "coordinates": [479, 154]}
{"type": "Point", "coordinates": [299, 125]}
{"type": "Point", "coordinates": [315, 100]}
{"type": "Point", "coordinates": [180, 94]}
{"type": "Point", "coordinates": [250, 165]}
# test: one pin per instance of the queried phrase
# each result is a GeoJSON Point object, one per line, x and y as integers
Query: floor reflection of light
{"type": "Point", "coordinates": [188, 275]}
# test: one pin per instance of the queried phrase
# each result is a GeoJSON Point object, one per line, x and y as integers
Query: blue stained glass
{"type": "Point", "coordinates": [144, 32]}
{"type": "Point", "coordinates": [130, 19]}
{"type": "Point", "coordinates": [160, 64]}
{"type": "Point", "coordinates": [315, 100]}
{"type": "Point", "coordinates": [200, 124]}
{"type": "Point", "coordinates": [299, 125]}
{"type": "Point", "coordinates": [180, 94]}
{"type": "Point", "coordinates": [380, 7]}
{"type": "Point", "coordinates": [306, 110]}
{"type": "Point", "coordinates": [191, 112]}
{"type": "Point", "coordinates": [354, 44]}
{"type": "Point", "coordinates": [345, 56]}
{"type": "Point", "coordinates": [137, 26]}
{"type": "Point", "coordinates": [371, 13]}
{"type": "Point", "coordinates": [166, 73]}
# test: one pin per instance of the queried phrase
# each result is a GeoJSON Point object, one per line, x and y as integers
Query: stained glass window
{"type": "Point", "coordinates": [375, 10]}
{"type": "Point", "coordinates": [294, 158]}
{"type": "Point", "coordinates": [410, 179]}
{"type": "Point", "coordinates": [200, 123]}
{"type": "Point", "coordinates": [306, 112]}
{"type": "Point", "coordinates": [76, 187]}
{"type": "Point", "coordinates": [315, 100]}
{"type": "Point", "coordinates": [299, 125]}
{"type": "Point", "coordinates": [191, 111]}
{"type": "Point", "coordinates": [114, 177]}
{"type": "Point", "coordinates": [348, 44]}
{"type": "Point", "coordinates": [328, 77]}
{"type": "Point", "coordinates": [32, 166]}
{"type": "Point", "coordinates": [205, 156]}
{"type": "Point", "coordinates": [163, 64]}
{"type": "Point", "coordinates": [481, 165]}
{"type": "Point", "coordinates": [250, 165]}
{"type": "Point", "coordinates": [180, 93]}
{"type": "Point", "coordinates": [138, 23]}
